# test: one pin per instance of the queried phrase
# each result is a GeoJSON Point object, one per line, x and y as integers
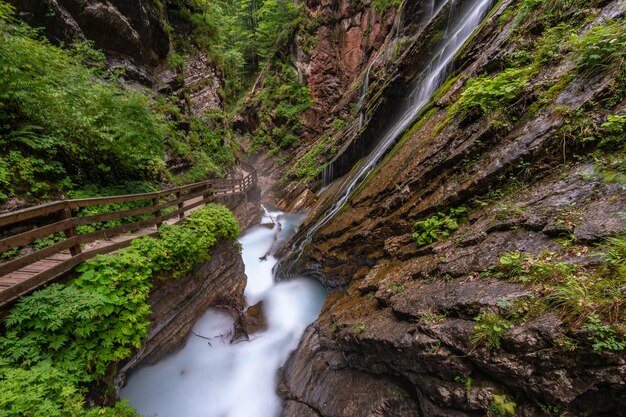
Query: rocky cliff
{"type": "Point", "coordinates": [177, 304]}
{"type": "Point", "coordinates": [137, 37]}
{"type": "Point", "coordinates": [476, 271]}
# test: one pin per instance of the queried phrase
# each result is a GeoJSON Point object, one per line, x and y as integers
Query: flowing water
{"type": "Point", "coordinates": [460, 26]}
{"type": "Point", "coordinates": [221, 379]}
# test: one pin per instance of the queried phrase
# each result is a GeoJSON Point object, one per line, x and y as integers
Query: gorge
{"type": "Point", "coordinates": [445, 184]}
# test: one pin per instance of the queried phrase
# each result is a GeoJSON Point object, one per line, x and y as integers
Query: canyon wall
{"type": "Point", "coordinates": [137, 37]}
{"type": "Point", "coordinates": [178, 303]}
{"type": "Point", "coordinates": [409, 315]}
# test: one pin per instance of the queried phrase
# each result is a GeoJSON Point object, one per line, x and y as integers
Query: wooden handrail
{"type": "Point", "coordinates": [58, 217]}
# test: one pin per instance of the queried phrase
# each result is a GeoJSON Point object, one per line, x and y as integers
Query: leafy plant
{"type": "Point", "coordinates": [604, 337]}
{"type": "Point", "coordinates": [501, 405]}
{"type": "Point", "coordinates": [359, 327]}
{"type": "Point", "coordinates": [467, 382]}
{"type": "Point", "coordinates": [384, 5]}
{"type": "Point", "coordinates": [600, 47]}
{"type": "Point", "coordinates": [438, 226]}
{"type": "Point", "coordinates": [73, 333]}
{"type": "Point", "coordinates": [489, 329]}
{"type": "Point", "coordinates": [490, 93]}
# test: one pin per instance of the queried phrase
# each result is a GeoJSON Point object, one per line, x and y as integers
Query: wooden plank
{"type": "Point", "coordinates": [32, 235]}
{"type": "Point", "coordinates": [113, 215]}
{"type": "Point", "coordinates": [88, 202]}
{"type": "Point", "coordinates": [29, 213]}
{"type": "Point", "coordinates": [21, 262]}
{"type": "Point", "coordinates": [11, 294]}
{"type": "Point", "coordinates": [49, 263]}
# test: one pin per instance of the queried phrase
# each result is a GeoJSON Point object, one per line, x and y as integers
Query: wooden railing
{"type": "Point", "coordinates": [60, 217]}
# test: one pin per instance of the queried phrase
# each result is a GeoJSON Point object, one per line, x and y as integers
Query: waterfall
{"type": "Point", "coordinates": [363, 94]}
{"type": "Point", "coordinates": [460, 26]}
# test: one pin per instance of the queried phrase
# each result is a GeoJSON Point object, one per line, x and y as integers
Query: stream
{"type": "Point", "coordinates": [214, 378]}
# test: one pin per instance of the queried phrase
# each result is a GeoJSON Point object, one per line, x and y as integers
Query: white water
{"type": "Point", "coordinates": [427, 83]}
{"type": "Point", "coordinates": [234, 380]}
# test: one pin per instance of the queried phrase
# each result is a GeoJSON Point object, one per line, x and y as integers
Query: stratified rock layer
{"type": "Point", "coordinates": [405, 314]}
{"type": "Point", "coordinates": [178, 303]}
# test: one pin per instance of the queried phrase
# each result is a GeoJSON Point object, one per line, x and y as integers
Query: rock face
{"type": "Point", "coordinates": [132, 34]}
{"type": "Point", "coordinates": [134, 37]}
{"type": "Point", "coordinates": [350, 35]}
{"type": "Point", "coordinates": [404, 315]}
{"type": "Point", "coordinates": [177, 304]}
{"type": "Point", "coordinates": [332, 55]}
{"type": "Point", "coordinates": [203, 84]}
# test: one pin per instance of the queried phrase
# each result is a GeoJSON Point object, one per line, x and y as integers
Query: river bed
{"type": "Point", "coordinates": [210, 377]}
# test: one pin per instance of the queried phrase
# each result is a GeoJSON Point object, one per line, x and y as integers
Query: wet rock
{"type": "Point", "coordinates": [177, 304]}
{"type": "Point", "coordinates": [255, 320]}
{"type": "Point", "coordinates": [601, 219]}
{"type": "Point", "coordinates": [458, 297]}
{"type": "Point", "coordinates": [132, 34]}
{"type": "Point", "coordinates": [317, 377]}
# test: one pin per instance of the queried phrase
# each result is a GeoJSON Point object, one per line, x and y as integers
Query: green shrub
{"type": "Point", "coordinates": [500, 406]}
{"type": "Point", "coordinates": [359, 327]}
{"type": "Point", "coordinates": [65, 121]}
{"type": "Point", "coordinates": [309, 165]}
{"type": "Point", "coordinates": [80, 329]}
{"type": "Point", "coordinates": [523, 267]}
{"type": "Point", "coordinates": [438, 226]}
{"type": "Point", "coordinates": [280, 105]}
{"type": "Point", "coordinates": [601, 47]}
{"type": "Point", "coordinates": [491, 93]}
{"type": "Point", "coordinates": [604, 337]}
{"type": "Point", "coordinates": [383, 5]}
{"type": "Point", "coordinates": [489, 329]}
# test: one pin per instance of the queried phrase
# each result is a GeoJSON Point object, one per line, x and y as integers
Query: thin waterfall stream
{"type": "Point", "coordinates": [216, 378]}
{"type": "Point", "coordinates": [460, 26]}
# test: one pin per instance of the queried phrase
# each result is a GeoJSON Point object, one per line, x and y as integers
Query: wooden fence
{"type": "Point", "coordinates": [60, 217]}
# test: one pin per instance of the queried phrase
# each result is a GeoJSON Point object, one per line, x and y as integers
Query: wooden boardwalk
{"type": "Point", "coordinates": [31, 271]}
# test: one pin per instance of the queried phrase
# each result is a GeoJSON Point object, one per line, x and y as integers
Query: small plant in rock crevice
{"type": "Point", "coordinates": [359, 327]}
{"type": "Point", "coordinates": [467, 382]}
{"type": "Point", "coordinates": [438, 226]}
{"type": "Point", "coordinates": [489, 329]}
{"type": "Point", "coordinates": [604, 337]}
{"type": "Point", "coordinates": [500, 406]}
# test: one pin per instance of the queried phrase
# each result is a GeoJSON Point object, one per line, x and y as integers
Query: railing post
{"type": "Point", "coordinates": [207, 197]}
{"type": "Point", "coordinates": [70, 232]}
{"type": "Point", "coordinates": [157, 212]}
{"type": "Point", "coordinates": [181, 205]}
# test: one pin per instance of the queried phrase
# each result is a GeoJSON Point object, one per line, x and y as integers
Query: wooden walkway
{"type": "Point", "coordinates": [34, 270]}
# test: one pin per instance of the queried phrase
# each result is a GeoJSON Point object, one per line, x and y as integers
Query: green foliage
{"type": "Point", "coordinates": [309, 166]}
{"type": "Point", "coordinates": [550, 13]}
{"type": "Point", "coordinates": [80, 329]}
{"type": "Point", "coordinates": [525, 268]}
{"type": "Point", "coordinates": [467, 382]}
{"type": "Point", "coordinates": [359, 327]}
{"type": "Point", "coordinates": [489, 329]}
{"type": "Point", "coordinates": [134, 187]}
{"type": "Point", "coordinates": [41, 391]}
{"type": "Point", "coordinates": [604, 337]}
{"type": "Point", "coordinates": [576, 293]}
{"type": "Point", "coordinates": [501, 406]}
{"type": "Point", "coordinates": [491, 93]}
{"type": "Point", "coordinates": [601, 47]}
{"type": "Point", "coordinates": [64, 121]}
{"type": "Point", "coordinates": [280, 105]}
{"type": "Point", "coordinates": [438, 226]}
{"type": "Point", "coordinates": [383, 5]}
{"type": "Point", "coordinates": [277, 22]}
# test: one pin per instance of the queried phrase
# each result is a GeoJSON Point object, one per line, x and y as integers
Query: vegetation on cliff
{"type": "Point", "coordinates": [65, 122]}
{"type": "Point", "coordinates": [63, 340]}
